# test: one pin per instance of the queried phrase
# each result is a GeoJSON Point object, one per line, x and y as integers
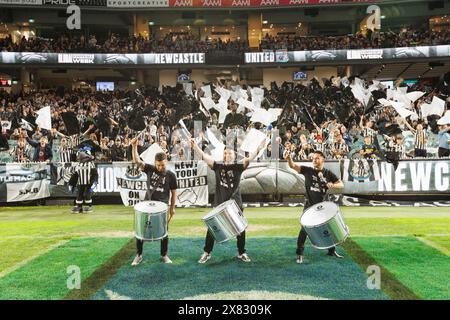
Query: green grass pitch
{"type": "Point", "coordinates": [410, 244]}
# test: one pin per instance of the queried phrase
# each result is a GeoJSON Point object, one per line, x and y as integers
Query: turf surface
{"type": "Point", "coordinates": [46, 277]}
{"type": "Point", "coordinates": [273, 269]}
{"type": "Point", "coordinates": [423, 269]}
{"type": "Point", "coordinates": [29, 234]}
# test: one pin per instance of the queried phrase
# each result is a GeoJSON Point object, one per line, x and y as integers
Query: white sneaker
{"type": "Point", "coordinates": [137, 260]}
{"type": "Point", "coordinates": [205, 257]}
{"type": "Point", "coordinates": [244, 257]}
{"type": "Point", "coordinates": [299, 259]}
{"type": "Point", "coordinates": [166, 259]}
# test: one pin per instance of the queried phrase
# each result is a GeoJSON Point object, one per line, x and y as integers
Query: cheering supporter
{"type": "Point", "coordinates": [405, 38]}
{"type": "Point", "coordinates": [188, 42]}
{"type": "Point", "coordinates": [314, 117]}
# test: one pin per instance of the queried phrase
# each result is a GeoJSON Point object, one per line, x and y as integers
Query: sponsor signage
{"type": "Point", "coordinates": [279, 56]}
{"type": "Point", "coordinates": [101, 58]}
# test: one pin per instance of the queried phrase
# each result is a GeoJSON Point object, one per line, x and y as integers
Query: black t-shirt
{"type": "Point", "coordinates": [159, 184]}
{"type": "Point", "coordinates": [315, 188]}
{"type": "Point", "coordinates": [227, 182]}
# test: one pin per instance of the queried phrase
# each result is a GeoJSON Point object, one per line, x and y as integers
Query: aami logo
{"type": "Point", "coordinates": [326, 234]}
{"type": "Point", "coordinates": [270, 3]}
{"type": "Point", "coordinates": [241, 3]}
{"type": "Point", "coordinates": [183, 3]}
{"type": "Point", "coordinates": [212, 3]}
{"type": "Point", "coordinates": [294, 2]}
{"type": "Point", "coordinates": [28, 191]}
{"type": "Point", "coordinates": [319, 207]}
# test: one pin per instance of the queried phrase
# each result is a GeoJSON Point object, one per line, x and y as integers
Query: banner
{"type": "Point", "coordinates": [102, 58]}
{"type": "Point", "coordinates": [25, 191]}
{"type": "Point", "coordinates": [258, 3]}
{"type": "Point", "coordinates": [132, 185]}
{"type": "Point", "coordinates": [22, 2]}
{"type": "Point", "coordinates": [137, 3]}
{"type": "Point", "coordinates": [266, 57]}
{"type": "Point", "coordinates": [192, 182]}
{"type": "Point", "coordinates": [24, 182]}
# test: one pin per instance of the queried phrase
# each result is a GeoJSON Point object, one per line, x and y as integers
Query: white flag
{"type": "Point", "coordinates": [148, 156]}
{"type": "Point", "coordinates": [44, 119]}
{"type": "Point", "coordinates": [252, 140]}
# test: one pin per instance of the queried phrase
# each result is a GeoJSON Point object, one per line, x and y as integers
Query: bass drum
{"type": "Point", "coordinates": [325, 225]}
{"type": "Point", "coordinates": [150, 220]}
{"type": "Point", "coordinates": [225, 221]}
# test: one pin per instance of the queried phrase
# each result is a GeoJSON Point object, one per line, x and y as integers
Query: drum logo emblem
{"type": "Point", "coordinates": [326, 233]}
{"type": "Point", "coordinates": [320, 207]}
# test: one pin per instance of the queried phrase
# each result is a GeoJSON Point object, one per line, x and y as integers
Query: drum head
{"type": "Point", "coordinates": [151, 206]}
{"type": "Point", "coordinates": [219, 208]}
{"type": "Point", "coordinates": [319, 214]}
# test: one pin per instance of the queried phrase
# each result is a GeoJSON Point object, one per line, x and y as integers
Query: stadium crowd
{"type": "Point", "coordinates": [372, 40]}
{"type": "Point", "coordinates": [314, 117]}
{"type": "Point", "coordinates": [188, 42]}
{"type": "Point", "coordinates": [116, 44]}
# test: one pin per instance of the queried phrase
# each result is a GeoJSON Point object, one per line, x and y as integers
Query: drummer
{"type": "Point", "coordinates": [162, 185]}
{"type": "Point", "coordinates": [228, 176]}
{"type": "Point", "coordinates": [317, 181]}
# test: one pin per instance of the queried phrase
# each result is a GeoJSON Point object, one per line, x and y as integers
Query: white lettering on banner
{"type": "Point", "coordinates": [183, 3]}
{"type": "Point", "coordinates": [375, 203]}
{"type": "Point", "coordinates": [441, 182]}
{"type": "Point", "coordinates": [350, 201]}
{"type": "Point", "coordinates": [178, 58]}
{"type": "Point", "coordinates": [259, 57]}
{"type": "Point", "coordinates": [212, 3]}
{"type": "Point", "coordinates": [365, 54]}
{"type": "Point", "coordinates": [107, 178]}
{"type": "Point", "coordinates": [137, 3]}
{"type": "Point", "coordinates": [59, 2]}
{"type": "Point", "coordinates": [75, 58]}
{"type": "Point", "coordinates": [269, 3]}
{"type": "Point", "coordinates": [241, 3]}
{"type": "Point", "coordinates": [192, 182]}
{"type": "Point", "coordinates": [420, 175]}
{"type": "Point", "coordinates": [385, 182]}
{"type": "Point", "coordinates": [294, 2]}
{"type": "Point", "coordinates": [400, 177]}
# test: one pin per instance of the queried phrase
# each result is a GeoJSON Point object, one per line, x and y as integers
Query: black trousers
{"type": "Point", "coordinates": [301, 239]}
{"type": "Point", "coordinates": [209, 242]}
{"type": "Point", "coordinates": [420, 153]}
{"type": "Point", "coordinates": [442, 152]}
{"type": "Point", "coordinates": [83, 195]}
{"type": "Point", "coordinates": [163, 250]}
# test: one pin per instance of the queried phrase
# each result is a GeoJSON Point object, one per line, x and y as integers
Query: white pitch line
{"type": "Point", "coordinates": [434, 245]}
{"type": "Point", "coordinates": [25, 261]}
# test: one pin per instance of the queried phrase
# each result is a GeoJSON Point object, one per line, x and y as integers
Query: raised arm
{"type": "Point", "coordinates": [252, 156]}
{"type": "Point", "coordinates": [136, 158]}
{"type": "Point", "coordinates": [208, 159]}
{"type": "Point", "coordinates": [87, 131]}
{"type": "Point", "coordinates": [291, 163]}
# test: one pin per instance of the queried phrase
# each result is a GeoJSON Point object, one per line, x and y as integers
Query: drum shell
{"type": "Point", "coordinates": [328, 234]}
{"type": "Point", "coordinates": [150, 226]}
{"type": "Point", "coordinates": [227, 223]}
